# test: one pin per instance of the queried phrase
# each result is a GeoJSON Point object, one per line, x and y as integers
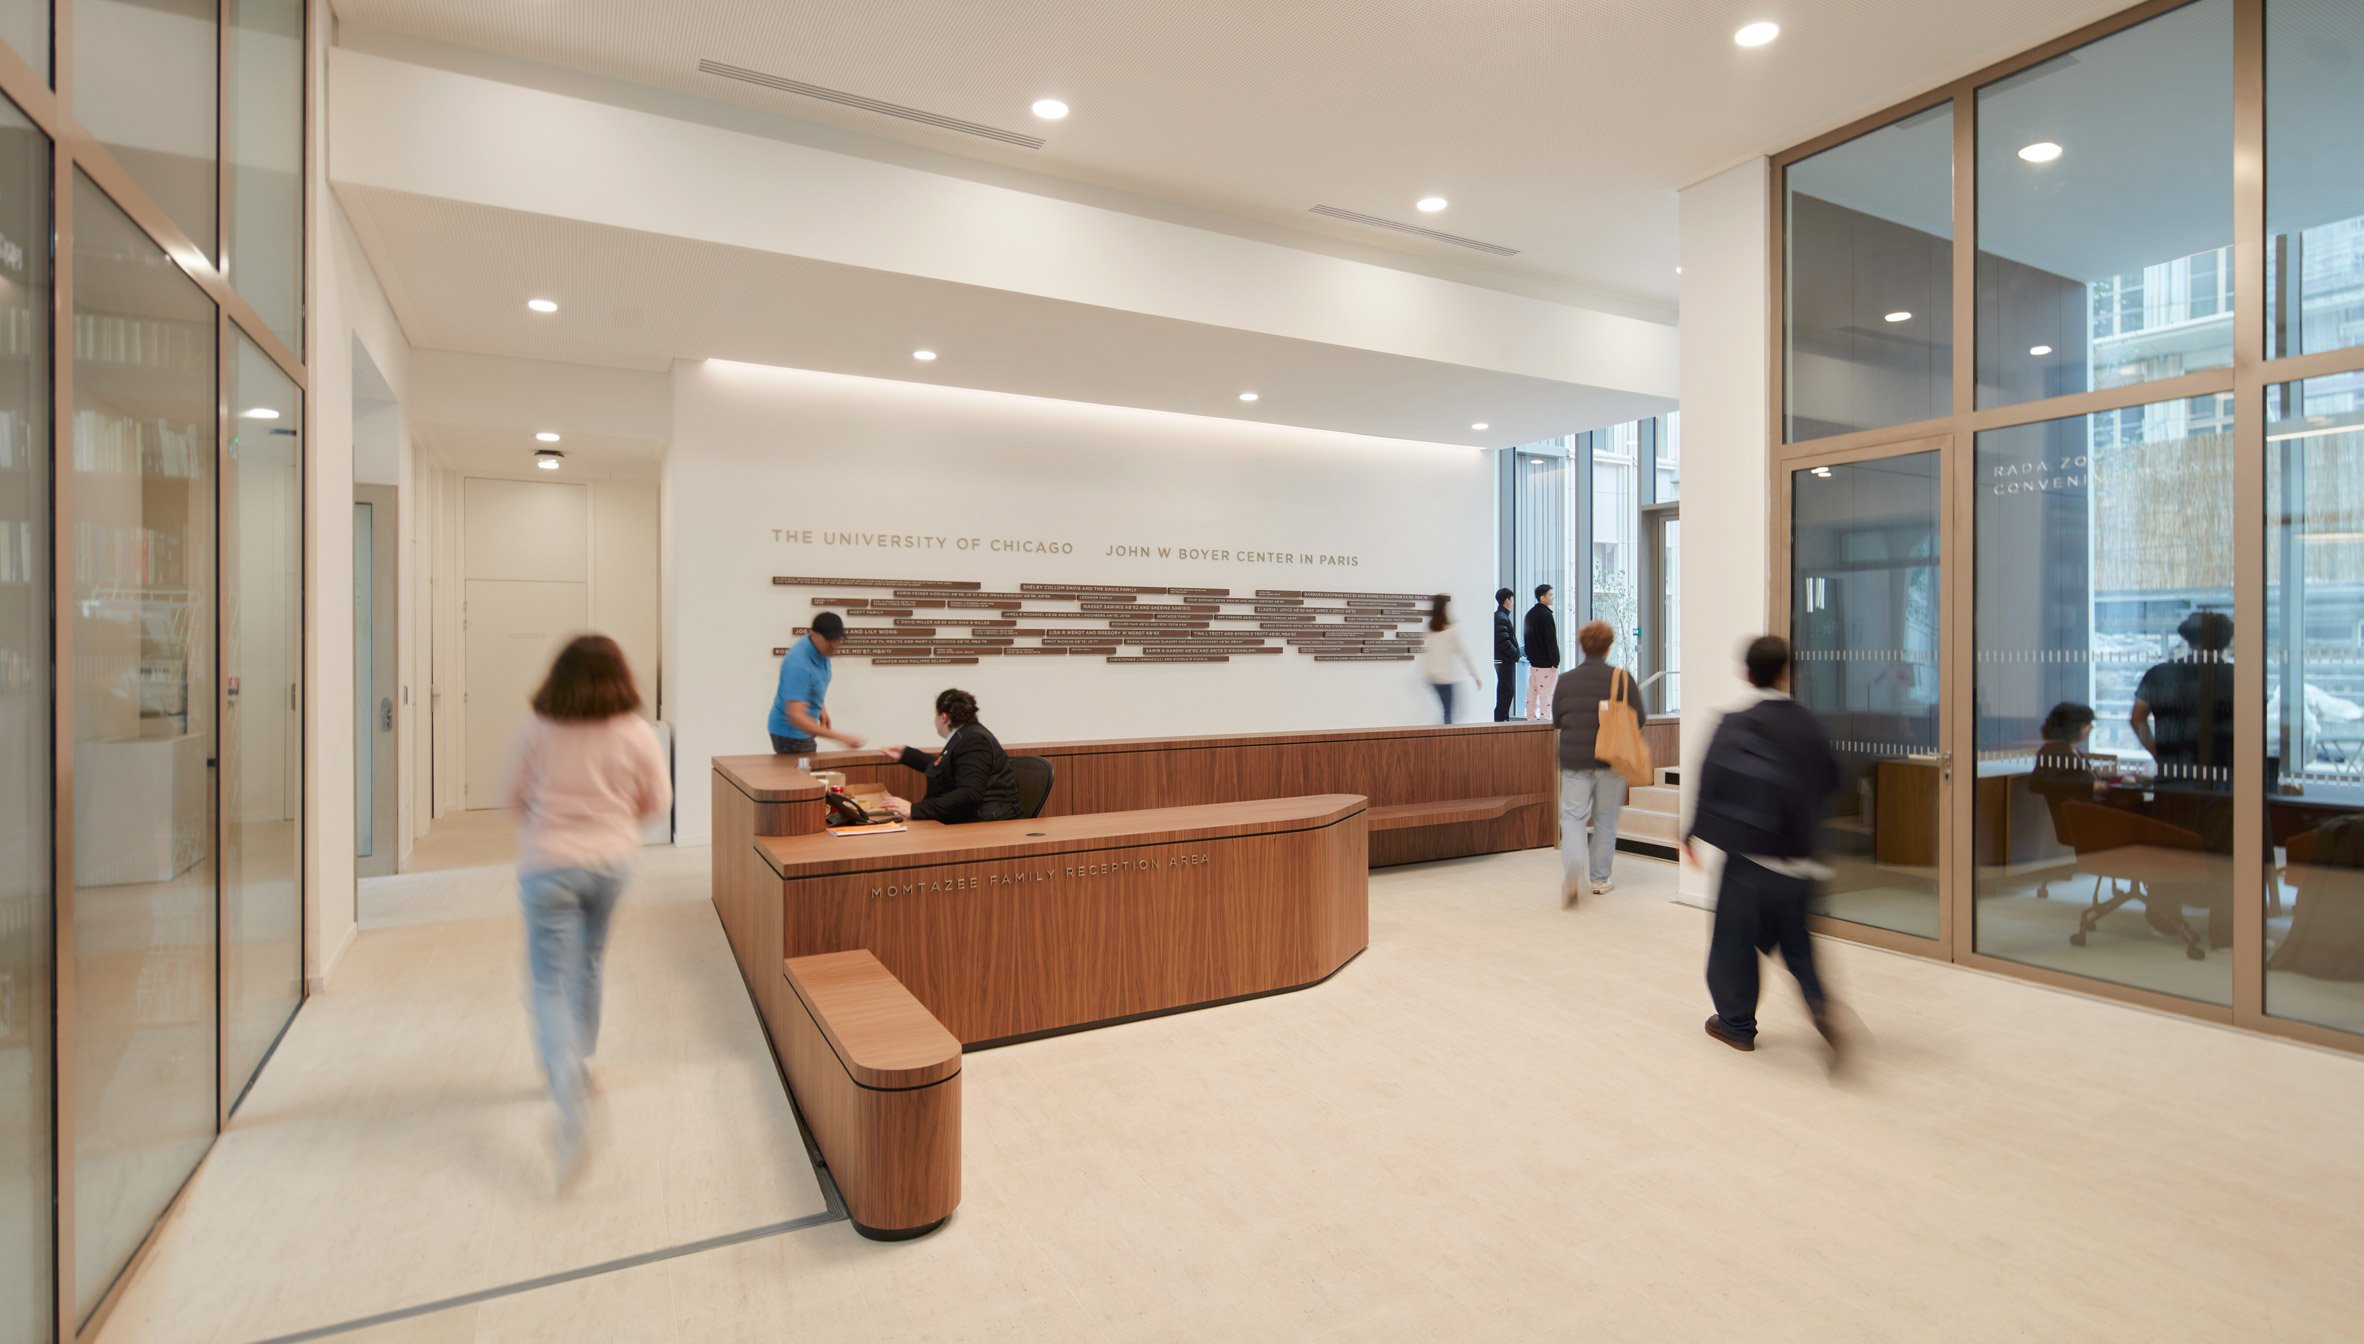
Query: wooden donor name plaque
{"type": "Point", "coordinates": [905, 622]}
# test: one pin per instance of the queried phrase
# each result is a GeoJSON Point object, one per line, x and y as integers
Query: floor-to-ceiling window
{"type": "Point", "coordinates": [151, 599]}
{"type": "Point", "coordinates": [1595, 514]}
{"type": "Point", "coordinates": [2136, 748]}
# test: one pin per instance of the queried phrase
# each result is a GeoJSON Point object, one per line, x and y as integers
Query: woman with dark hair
{"type": "Point", "coordinates": [1442, 657]}
{"type": "Point", "coordinates": [970, 779]}
{"type": "Point", "coordinates": [585, 770]}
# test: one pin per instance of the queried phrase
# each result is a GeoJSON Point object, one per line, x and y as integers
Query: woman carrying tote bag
{"type": "Point", "coordinates": [1592, 789]}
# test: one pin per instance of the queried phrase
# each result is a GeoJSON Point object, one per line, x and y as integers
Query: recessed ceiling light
{"type": "Point", "coordinates": [1757, 34]}
{"type": "Point", "coordinates": [260, 413]}
{"type": "Point", "coordinates": [1049, 109]}
{"type": "Point", "coordinates": [2039, 349]}
{"type": "Point", "coordinates": [2043, 151]}
{"type": "Point", "coordinates": [1247, 396]}
{"type": "Point", "coordinates": [542, 305]}
{"type": "Point", "coordinates": [548, 459]}
{"type": "Point", "coordinates": [924, 356]}
{"type": "Point", "coordinates": [547, 437]}
{"type": "Point", "coordinates": [1480, 425]}
{"type": "Point", "coordinates": [1429, 205]}
{"type": "Point", "coordinates": [1678, 270]}
{"type": "Point", "coordinates": [1899, 316]}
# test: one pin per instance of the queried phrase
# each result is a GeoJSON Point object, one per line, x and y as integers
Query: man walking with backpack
{"type": "Point", "coordinates": [1768, 776]}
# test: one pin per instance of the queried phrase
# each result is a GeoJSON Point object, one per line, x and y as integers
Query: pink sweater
{"type": "Point", "coordinates": [582, 788]}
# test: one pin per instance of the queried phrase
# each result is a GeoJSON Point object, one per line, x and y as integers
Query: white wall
{"type": "Point", "coordinates": [1726, 504]}
{"type": "Point", "coordinates": [625, 579]}
{"type": "Point", "coordinates": [757, 449]}
{"type": "Point", "coordinates": [348, 303]}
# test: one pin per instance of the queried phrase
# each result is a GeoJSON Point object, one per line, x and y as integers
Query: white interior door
{"type": "Point", "coordinates": [512, 629]}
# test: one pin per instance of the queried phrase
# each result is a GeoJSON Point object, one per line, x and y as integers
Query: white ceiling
{"type": "Point", "coordinates": [1561, 128]}
{"type": "Point", "coordinates": [453, 271]}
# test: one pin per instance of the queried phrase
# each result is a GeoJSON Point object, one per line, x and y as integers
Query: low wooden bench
{"type": "Point", "coordinates": [878, 1080]}
{"type": "Point", "coordinates": [1407, 816]}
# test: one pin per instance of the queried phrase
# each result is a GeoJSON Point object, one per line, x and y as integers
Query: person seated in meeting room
{"type": "Point", "coordinates": [970, 779]}
{"type": "Point", "coordinates": [800, 707]}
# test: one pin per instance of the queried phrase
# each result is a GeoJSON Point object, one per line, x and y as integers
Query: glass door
{"type": "Point", "coordinates": [1867, 623]}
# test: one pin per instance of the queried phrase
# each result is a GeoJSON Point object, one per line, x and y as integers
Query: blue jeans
{"type": "Point", "coordinates": [566, 918]}
{"type": "Point", "coordinates": [1596, 796]}
{"type": "Point", "coordinates": [1444, 695]}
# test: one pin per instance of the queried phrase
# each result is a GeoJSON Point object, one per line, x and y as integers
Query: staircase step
{"type": "Point", "coordinates": [1670, 777]}
{"type": "Point", "coordinates": [1658, 826]}
{"type": "Point", "coordinates": [1656, 798]}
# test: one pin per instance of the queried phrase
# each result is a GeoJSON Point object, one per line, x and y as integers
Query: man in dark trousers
{"type": "Point", "coordinates": [1768, 775]}
{"type": "Point", "coordinates": [1543, 654]}
{"type": "Point", "coordinates": [1506, 654]}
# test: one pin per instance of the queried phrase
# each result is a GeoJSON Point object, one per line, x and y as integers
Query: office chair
{"type": "Point", "coordinates": [1035, 777]}
{"type": "Point", "coordinates": [2145, 855]}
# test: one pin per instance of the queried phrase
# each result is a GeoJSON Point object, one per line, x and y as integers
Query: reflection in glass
{"type": "Point", "coordinates": [1616, 544]}
{"type": "Point", "coordinates": [144, 735]}
{"type": "Point", "coordinates": [2315, 700]}
{"type": "Point", "coordinates": [1869, 277]}
{"type": "Point", "coordinates": [1670, 458]}
{"type": "Point", "coordinates": [144, 85]}
{"type": "Point", "coordinates": [1545, 485]}
{"type": "Point", "coordinates": [263, 141]}
{"type": "Point", "coordinates": [25, 759]}
{"type": "Point", "coordinates": [262, 741]}
{"type": "Point", "coordinates": [2314, 193]}
{"type": "Point", "coordinates": [24, 26]}
{"type": "Point", "coordinates": [2098, 266]}
{"type": "Point", "coordinates": [1864, 616]}
{"type": "Point", "coordinates": [2105, 693]}
{"type": "Point", "coordinates": [1670, 616]}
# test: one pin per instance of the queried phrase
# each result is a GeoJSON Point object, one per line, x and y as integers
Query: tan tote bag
{"type": "Point", "coordinates": [1620, 741]}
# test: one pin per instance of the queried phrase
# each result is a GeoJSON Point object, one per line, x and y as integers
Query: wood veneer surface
{"type": "Point", "coordinates": [774, 779]}
{"type": "Point", "coordinates": [881, 1034]}
{"type": "Point", "coordinates": [933, 843]}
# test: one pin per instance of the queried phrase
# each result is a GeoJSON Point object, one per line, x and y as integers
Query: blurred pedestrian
{"type": "Point", "coordinates": [1765, 781]}
{"type": "Point", "coordinates": [1591, 791]}
{"type": "Point", "coordinates": [1442, 656]}
{"type": "Point", "coordinates": [585, 770]}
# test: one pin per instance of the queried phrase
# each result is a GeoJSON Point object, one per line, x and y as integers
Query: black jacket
{"type": "Point", "coordinates": [970, 780]}
{"type": "Point", "coordinates": [1576, 708]}
{"type": "Point", "coordinates": [1766, 781]}
{"type": "Point", "coordinates": [1506, 637]}
{"type": "Point", "coordinates": [1543, 637]}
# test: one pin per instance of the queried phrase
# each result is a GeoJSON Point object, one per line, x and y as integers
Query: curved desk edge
{"type": "Point", "coordinates": [774, 779]}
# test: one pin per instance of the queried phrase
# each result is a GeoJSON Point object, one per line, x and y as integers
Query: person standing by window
{"type": "Point", "coordinates": [1543, 653]}
{"type": "Point", "coordinates": [1591, 790]}
{"type": "Point", "coordinates": [585, 769]}
{"type": "Point", "coordinates": [1506, 653]}
{"type": "Point", "coordinates": [1442, 656]}
{"type": "Point", "coordinates": [800, 708]}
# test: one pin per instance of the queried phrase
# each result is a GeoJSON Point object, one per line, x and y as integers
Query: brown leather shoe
{"type": "Point", "coordinates": [1717, 1029]}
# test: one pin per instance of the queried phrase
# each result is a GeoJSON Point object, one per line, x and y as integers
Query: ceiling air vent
{"type": "Point", "coordinates": [862, 104]}
{"type": "Point", "coordinates": [1358, 217]}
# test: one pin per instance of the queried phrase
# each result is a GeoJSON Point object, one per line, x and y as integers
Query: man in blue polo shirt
{"type": "Point", "coordinates": [800, 709]}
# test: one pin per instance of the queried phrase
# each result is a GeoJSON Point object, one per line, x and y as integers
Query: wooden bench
{"type": "Point", "coordinates": [878, 1080]}
{"type": "Point", "coordinates": [1406, 816]}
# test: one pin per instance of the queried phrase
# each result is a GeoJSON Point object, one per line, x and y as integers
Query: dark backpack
{"type": "Point", "coordinates": [1749, 796]}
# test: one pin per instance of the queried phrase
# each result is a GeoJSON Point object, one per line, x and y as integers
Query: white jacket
{"type": "Point", "coordinates": [1441, 652]}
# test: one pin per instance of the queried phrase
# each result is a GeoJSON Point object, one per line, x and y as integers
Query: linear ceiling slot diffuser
{"type": "Point", "coordinates": [862, 104]}
{"type": "Point", "coordinates": [1358, 217]}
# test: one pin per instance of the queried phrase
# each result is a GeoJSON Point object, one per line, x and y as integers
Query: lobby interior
{"type": "Point", "coordinates": [1144, 373]}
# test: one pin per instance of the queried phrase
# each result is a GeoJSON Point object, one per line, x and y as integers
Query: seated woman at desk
{"type": "Point", "coordinates": [970, 779]}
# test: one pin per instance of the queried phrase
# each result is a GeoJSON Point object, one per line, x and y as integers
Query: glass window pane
{"type": "Point", "coordinates": [1869, 276]}
{"type": "Point", "coordinates": [144, 85]}
{"type": "Point", "coordinates": [24, 25]}
{"type": "Point", "coordinates": [1866, 606]}
{"type": "Point", "coordinates": [262, 738]}
{"type": "Point", "coordinates": [1546, 520]}
{"type": "Point", "coordinates": [2314, 186]}
{"type": "Point", "coordinates": [1616, 547]}
{"type": "Point", "coordinates": [2089, 246]}
{"type": "Point", "coordinates": [2103, 810]}
{"type": "Point", "coordinates": [143, 668]}
{"type": "Point", "coordinates": [1670, 457]}
{"type": "Point", "coordinates": [2315, 700]}
{"type": "Point", "coordinates": [25, 757]}
{"type": "Point", "coordinates": [263, 84]}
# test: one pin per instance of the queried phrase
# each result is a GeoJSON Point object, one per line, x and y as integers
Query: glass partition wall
{"type": "Point", "coordinates": [2115, 741]}
{"type": "Point", "coordinates": [151, 597]}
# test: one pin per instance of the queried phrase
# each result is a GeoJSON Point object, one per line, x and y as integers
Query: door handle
{"type": "Point", "coordinates": [385, 715]}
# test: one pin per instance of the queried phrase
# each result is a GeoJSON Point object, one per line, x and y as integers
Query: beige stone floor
{"type": "Point", "coordinates": [1503, 1122]}
{"type": "Point", "coordinates": [396, 1150]}
{"type": "Point", "coordinates": [483, 839]}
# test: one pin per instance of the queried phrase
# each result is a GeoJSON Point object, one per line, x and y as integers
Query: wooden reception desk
{"type": "Point", "coordinates": [1435, 793]}
{"type": "Point", "coordinates": [1010, 929]}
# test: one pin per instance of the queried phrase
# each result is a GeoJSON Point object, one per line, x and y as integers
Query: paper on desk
{"type": "Point", "coordinates": [874, 828]}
